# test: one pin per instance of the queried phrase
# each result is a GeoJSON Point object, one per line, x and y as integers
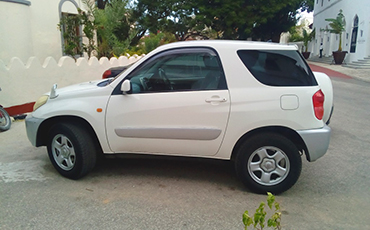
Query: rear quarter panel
{"type": "Point", "coordinates": [255, 105]}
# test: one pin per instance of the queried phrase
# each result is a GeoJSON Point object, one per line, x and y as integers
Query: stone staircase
{"type": "Point", "coordinates": [360, 64]}
{"type": "Point", "coordinates": [326, 60]}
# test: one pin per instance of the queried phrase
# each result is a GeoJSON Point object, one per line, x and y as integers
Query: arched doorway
{"type": "Point", "coordinates": [354, 35]}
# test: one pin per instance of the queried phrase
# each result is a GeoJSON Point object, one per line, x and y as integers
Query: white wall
{"type": "Point", "coordinates": [46, 36]}
{"type": "Point", "coordinates": [330, 9]}
{"type": "Point", "coordinates": [31, 58]}
{"type": "Point", "coordinates": [26, 82]}
{"type": "Point", "coordinates": [31, 30]}
{"type": "Point", "coordinates": [15, 31]}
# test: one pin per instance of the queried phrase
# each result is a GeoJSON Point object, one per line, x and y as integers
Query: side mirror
{"type": "Point", "coordinates": [126, 87]}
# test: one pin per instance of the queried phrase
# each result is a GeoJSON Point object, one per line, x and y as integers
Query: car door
{"type": "Point", "coordinates": [178, 104]}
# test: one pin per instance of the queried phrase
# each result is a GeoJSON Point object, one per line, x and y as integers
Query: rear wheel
{"type": "Point", "coordinates": [5, 121]}
{"type": "Point", "coordinates": [71, 150]}
{"type": "Point", "coordinates": [268, 162]}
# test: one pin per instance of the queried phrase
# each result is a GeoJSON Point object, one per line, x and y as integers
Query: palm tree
{"type": "Point", "coordinates": [337, 26]}
{"type": "Point", "coordinates": [307, 37]}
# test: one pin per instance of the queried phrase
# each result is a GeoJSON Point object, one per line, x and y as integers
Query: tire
{"type": "Point", "coordinates": [71, 150]}
{"type": "Point", "coordinates": [268, 162]}
{"type": "Point", "coordinates": [5, 121]}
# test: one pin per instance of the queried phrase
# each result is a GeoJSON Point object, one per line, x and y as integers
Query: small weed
{"type": "Point", "coordinates": [258, 220]}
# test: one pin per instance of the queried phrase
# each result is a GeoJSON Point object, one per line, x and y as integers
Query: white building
{"type": "Point", "coordinates": [29, 28]}
{"type": "Point", "coordinates": [355, 39]}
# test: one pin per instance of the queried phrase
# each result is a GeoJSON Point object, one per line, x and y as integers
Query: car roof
{"type": "Point", "coordinates": [230, 44]}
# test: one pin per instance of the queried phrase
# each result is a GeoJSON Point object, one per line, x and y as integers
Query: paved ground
{"type": "Point", "coordinates": [340, 71]}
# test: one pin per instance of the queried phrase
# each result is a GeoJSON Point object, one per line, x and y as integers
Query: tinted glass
{"type": "Point", "coordinates": [179, 70]}
{"type": "Point", "coordinates": [278, 67]}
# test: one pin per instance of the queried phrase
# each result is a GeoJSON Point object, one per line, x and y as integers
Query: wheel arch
{"type": "Point", "coordinates": [42, 133]}
{"type": "Point", "coordinates": [281, 130]}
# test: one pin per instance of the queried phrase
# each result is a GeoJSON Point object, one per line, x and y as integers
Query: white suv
{"type": "Point", "coordinates": [257, 104]}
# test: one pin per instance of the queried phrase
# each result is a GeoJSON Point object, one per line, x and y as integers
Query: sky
{"type": "Point", "coordinates": [304, 14]}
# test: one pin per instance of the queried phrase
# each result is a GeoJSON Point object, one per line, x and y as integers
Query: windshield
{"type": "Point", "coordinates": [125, 68]}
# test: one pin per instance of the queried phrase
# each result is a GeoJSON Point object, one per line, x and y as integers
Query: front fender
{"type": "Point", "coordinates": [90, 109]}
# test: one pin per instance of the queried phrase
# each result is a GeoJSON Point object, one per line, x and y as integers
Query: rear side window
{"type": "Point", "coordinates": [278, 67]}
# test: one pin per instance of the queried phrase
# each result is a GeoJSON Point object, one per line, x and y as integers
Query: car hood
{"type": "Point", "coordinates": [81, 89]}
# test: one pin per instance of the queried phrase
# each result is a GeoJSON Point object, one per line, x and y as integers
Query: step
{"type": "Point", "coordinates": [360, 63]}
{"type": "Point", "coordinates": [321, 60]}
{"type": "Point", "coordinates": [356, 67]}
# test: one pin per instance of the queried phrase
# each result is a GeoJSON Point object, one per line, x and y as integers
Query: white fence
{"type": "Point", "coordinates": [22, 83]}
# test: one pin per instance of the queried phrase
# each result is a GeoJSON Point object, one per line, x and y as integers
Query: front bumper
{"type": "Point", "coordinates": [317, 142]}
{"type": "Point", "coordinates": [32, 126]}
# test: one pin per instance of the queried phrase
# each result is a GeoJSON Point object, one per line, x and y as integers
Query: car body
{"type": "Point", "coordinates": [257, 104]}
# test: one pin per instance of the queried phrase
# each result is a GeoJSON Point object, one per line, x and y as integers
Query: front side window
{"type": "Point", "coordinates": [278, 67]}
{"type": "Point", "coordinates": [179, 70]}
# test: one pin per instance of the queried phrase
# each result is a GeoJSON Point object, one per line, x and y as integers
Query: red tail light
{"type": "Point", "coordinates": [318, 104]}
{"type": "Point", "coordinates": [107, 74]}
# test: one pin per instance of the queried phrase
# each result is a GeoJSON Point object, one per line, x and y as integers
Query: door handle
{"type": "Point", "coordinates": [215, 99]}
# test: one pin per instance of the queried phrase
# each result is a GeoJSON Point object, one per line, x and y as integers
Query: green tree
{"type": "Point", "coordinates": [115, 31]}
{"type": "Point", "coordinates": [296, 33]}
{"type": "Point", "coordinates": [101, 3]}
{"type": "Point", "coordinates": [282, 20]}
{"type": "Point", "coordinates": [230, 19]}
{"type": "Point", "coordinates": [171, 16]}
{"type": "Point", "coordinates": [120, 24]}
{"type": "Point", "coordinates": [152, 41]}
{"type": "Point", "coordinates": [87, 20]}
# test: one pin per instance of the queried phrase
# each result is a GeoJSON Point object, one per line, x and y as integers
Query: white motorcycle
{"type": "Point", "coordinates": [5, 121]}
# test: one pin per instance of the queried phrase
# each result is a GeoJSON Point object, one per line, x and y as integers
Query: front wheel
{"type": "Point", "coordinates": [5, 121]}
{"type": "Point", "coordinates": [268, 163]}
{"type": "Point", "coordinates": [71, 150]}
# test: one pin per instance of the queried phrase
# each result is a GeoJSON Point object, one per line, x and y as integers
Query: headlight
{"type": "Point", "coordinates": [41, 101]}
